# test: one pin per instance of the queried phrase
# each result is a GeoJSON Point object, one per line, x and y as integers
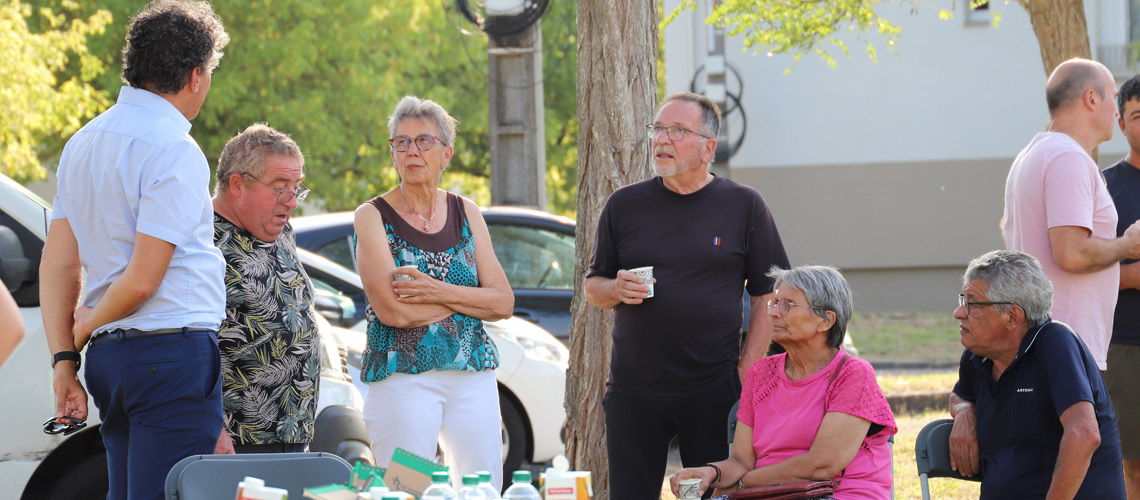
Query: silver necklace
{"type": "Point", "coordinates": [427, 221]}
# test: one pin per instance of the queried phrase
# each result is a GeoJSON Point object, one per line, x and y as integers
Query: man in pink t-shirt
{"type": "Point", "coordinates": [1058, 209]}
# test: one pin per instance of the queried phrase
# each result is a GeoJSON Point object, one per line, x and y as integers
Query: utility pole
{"type": "Point", "coordinates": [715, 90]}
{"type": "Point", "coordinates": [517, 125]}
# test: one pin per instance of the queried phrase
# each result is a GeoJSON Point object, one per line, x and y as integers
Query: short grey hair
{"type": "Point", "coordinates": [1014, 276]}
{"type": "Point", "coordinates": [245, 153]}
{"type": "Point", "coordinates": [710, 112]}
{"type": "Point", "coordinates": [826, 290]}
{"type": "Point", "coordinates": [424, 109]}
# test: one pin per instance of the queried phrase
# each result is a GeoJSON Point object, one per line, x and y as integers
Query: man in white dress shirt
{"type": "Point", "coordinates": [133, 211]}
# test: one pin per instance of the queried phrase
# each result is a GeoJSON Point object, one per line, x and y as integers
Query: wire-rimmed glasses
{"type": "Point", "coordinates": [284, 196]}
{"type": "Point", "coordinates": [674, 132]}
{"type": "Point", "coordinates": [962, 302]}
{"type": "Point", "coordinates": [401, 143]}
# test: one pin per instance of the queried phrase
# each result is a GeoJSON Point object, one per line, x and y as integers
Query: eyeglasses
{"type": "Point", "coordinates": [284, 195]}
{"type": "Point", "coordinates": [675, 133]}
{"type": "Point", "coordinates": [72, 425]}
{"type": "Point", "coordinates": [963, 303]}
{"type": "Point", "coordinates": [786, 305]}
{"type": "Point", "coordinates": [401, 143]}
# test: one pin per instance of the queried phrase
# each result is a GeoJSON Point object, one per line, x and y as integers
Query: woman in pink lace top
{"type": "Point", "coordinates": [811, 413]}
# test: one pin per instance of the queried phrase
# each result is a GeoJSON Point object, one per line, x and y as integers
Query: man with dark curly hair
{"type": "Point", "coordinates": [133, 211]}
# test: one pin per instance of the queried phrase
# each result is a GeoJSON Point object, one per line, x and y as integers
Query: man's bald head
{"type": "Point", "coordinates": [1071, 79]}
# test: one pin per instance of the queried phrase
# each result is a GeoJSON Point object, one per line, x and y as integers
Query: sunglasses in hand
{"type": "Point", "coordinates": [73, 425]}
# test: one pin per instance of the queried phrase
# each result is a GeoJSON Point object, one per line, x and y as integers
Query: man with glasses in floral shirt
{"type": "Point", "coordinates": [269, 343]}
{"type": "Point", "coordinates": [676, 360]}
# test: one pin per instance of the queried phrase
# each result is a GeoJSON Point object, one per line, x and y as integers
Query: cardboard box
{"type": "Point", "coordinates": [567, 485]}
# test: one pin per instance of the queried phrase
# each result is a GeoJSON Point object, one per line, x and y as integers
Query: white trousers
{"type": "Point", "coordinates": [457, 410]}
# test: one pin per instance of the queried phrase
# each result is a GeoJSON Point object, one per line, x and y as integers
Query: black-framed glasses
{"type": "Point", "coordinates": [962, 302]}
{"type": "Point", "coordinates": [68, 428]}
{"type": "Point", "coordinates": [675, 133]}
{"type": "Point", "coordinates": [401, 143]}
{"type": "Point", "coordinates": [786, 305]}
{"type": "Point", "coordinates": [284, 195]}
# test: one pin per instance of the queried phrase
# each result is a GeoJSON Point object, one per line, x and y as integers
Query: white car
{"type": "Point", "coordinates": [35, 465]}
{"type": "Point", "coordinates": [531, 373]}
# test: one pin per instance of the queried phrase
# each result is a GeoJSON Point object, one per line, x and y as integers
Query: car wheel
{"type": "Point", "coordinates": [87, 481]}
{"type": "Point", "coordinates": [514, 436]}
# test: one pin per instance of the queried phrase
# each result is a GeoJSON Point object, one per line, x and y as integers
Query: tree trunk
{"type": "Point", "coordinates": [617, 94]}
{"type": "Point", "coordinates": [1061, 29]}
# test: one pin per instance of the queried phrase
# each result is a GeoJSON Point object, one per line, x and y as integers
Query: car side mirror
{"type": "Point", "coordinates": [16, 270]}
{"type": "Point", "coordinates": [329, 307]}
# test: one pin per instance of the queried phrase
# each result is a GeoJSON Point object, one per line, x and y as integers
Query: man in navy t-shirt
{"type": "Point", "coordinates": [1031, 412]}
{"type": "Point", "coordinates": [676, 355]}
{"type": "Point", "coordinates": [1123, 374]}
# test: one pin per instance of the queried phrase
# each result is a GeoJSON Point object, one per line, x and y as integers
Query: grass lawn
{"type": "Point", "coordinates": [906, 472]}
{"type": "Point", "coordinates": [894, 383]}
{"type": "Point", "coordinates": [906, 335]}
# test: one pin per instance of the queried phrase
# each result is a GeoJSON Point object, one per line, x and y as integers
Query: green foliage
{"type": "Point", "coordinates": [798, 27]}
{"type": "Point", "coordinates": [330, 73]}
{"type": "Point", "coordinates": [38, 109]}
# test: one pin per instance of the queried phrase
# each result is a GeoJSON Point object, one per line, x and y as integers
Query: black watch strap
{"type": "Point", "coordinates": [66, 356]}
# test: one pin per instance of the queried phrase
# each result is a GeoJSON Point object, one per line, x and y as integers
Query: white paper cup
{"type": "Point", "coordinates": [404, 277]}
{"type": "Point", "coordinates": [690, 489]}
{"type": "Point", "coordinates": [646, 274]}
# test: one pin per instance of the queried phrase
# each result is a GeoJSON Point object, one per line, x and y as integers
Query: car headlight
{"type": "Point", "coordinates": [539, 350]}
{"type": "Point", "coordinates": [530, 339]}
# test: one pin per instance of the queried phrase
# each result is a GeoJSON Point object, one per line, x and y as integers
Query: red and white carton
{"type": "Point", "coordinates": [558, 483]}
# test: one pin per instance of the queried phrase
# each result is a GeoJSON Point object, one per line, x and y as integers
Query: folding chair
{"type": "Point", "coordinates": [932, 453]}
{"type": "Point", "coordinates": [214, 477]}
{"type": "Point", "coordinates": [732, 423]}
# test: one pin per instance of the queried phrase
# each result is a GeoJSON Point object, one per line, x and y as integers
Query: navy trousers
{"type": "Point", "coordinates": [160, 400]}
{"type": "Point", "coordinates": [639, 430]}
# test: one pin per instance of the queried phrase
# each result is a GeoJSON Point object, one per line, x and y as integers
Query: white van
{"type": "Point", "coordinates": [35, 465]}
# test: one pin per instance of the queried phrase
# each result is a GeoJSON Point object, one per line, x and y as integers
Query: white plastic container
{"type": "Point", "coordinates": [252, 488]}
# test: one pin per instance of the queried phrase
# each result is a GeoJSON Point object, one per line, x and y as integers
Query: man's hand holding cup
{"type": "Point", "coordinates": [635, 285]}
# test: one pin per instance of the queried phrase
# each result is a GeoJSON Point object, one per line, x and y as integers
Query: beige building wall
{"type": "Point", "coordinates": [902, 233]}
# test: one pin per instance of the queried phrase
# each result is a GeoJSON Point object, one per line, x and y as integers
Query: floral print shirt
{"type": "Point", "coordinates": [268, 341]}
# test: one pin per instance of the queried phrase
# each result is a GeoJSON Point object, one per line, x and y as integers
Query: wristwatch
{"type": "Point", "coordinates": [66, 356]}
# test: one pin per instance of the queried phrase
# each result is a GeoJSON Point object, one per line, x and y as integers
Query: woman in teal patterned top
{"type": "Point", "coordinates": [429, 363]}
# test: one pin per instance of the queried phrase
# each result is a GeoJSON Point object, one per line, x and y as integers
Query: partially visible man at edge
{"type": "Point", "coordinates": [1058, 210]}
{"type": "Point", "coordinates": [676, 364]}
{"type": "Point", "coordinates": [269, 343]}
{"type": "Point", "coordinates": [133, 211]}
{"type": "Point", "coordinates": [1123, 374]}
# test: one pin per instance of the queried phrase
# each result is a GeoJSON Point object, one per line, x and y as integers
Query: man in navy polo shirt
{"type": "Point", "coordinates": [1031, 412]}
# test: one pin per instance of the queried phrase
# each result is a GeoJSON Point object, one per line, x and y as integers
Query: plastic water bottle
{"type": "Point", "coordinates": [521, 487]}
{"type": "Point", "coordinates": [440, 488]}
{"type": "Point", "coordinates": [470, 490]}
{"type": "Point", "coordinates": [485, 485]}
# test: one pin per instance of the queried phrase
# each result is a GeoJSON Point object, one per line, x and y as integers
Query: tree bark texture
{"type": "Point", "coordinates": [1061, 29]}
{"type": "Point", "coordinates": [617, 95]}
